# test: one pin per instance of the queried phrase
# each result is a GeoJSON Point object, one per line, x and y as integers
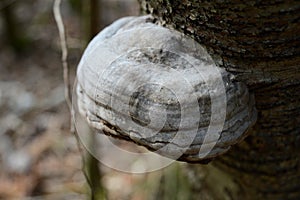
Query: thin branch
{"type": "Point", "coordinates": [90, 164]}
{"type": "Point", "coordinates": [62, 36]}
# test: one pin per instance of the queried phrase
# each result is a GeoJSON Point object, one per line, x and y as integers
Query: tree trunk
{"type": "Point", "coordinates": [259, 42]}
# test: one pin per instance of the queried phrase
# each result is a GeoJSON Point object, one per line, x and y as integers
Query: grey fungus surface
{"type": "Point", "coordinates": [153, 86]}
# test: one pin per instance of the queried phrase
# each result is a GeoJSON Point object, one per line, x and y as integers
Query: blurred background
{"type": "Point", "coordinates": [39, 157]}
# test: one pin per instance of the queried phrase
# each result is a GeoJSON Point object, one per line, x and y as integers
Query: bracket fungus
{"type": "Point", "coordinates": [153, 86]}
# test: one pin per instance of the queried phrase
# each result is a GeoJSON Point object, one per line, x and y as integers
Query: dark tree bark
{"type": "Point", "coordinates": [259, 42]}
{"type": "Point", "coordinates": [14, 33]}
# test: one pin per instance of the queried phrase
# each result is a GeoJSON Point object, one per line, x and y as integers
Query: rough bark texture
{"type": "Point", "coordinates": [259, 42]}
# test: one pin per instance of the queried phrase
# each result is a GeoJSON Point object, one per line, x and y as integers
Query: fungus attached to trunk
{"type": "Point", "coordinates": [153, 86]}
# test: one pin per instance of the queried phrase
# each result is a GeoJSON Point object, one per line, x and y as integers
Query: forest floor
{"type": "Point", "coordinates": [39, 157]}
